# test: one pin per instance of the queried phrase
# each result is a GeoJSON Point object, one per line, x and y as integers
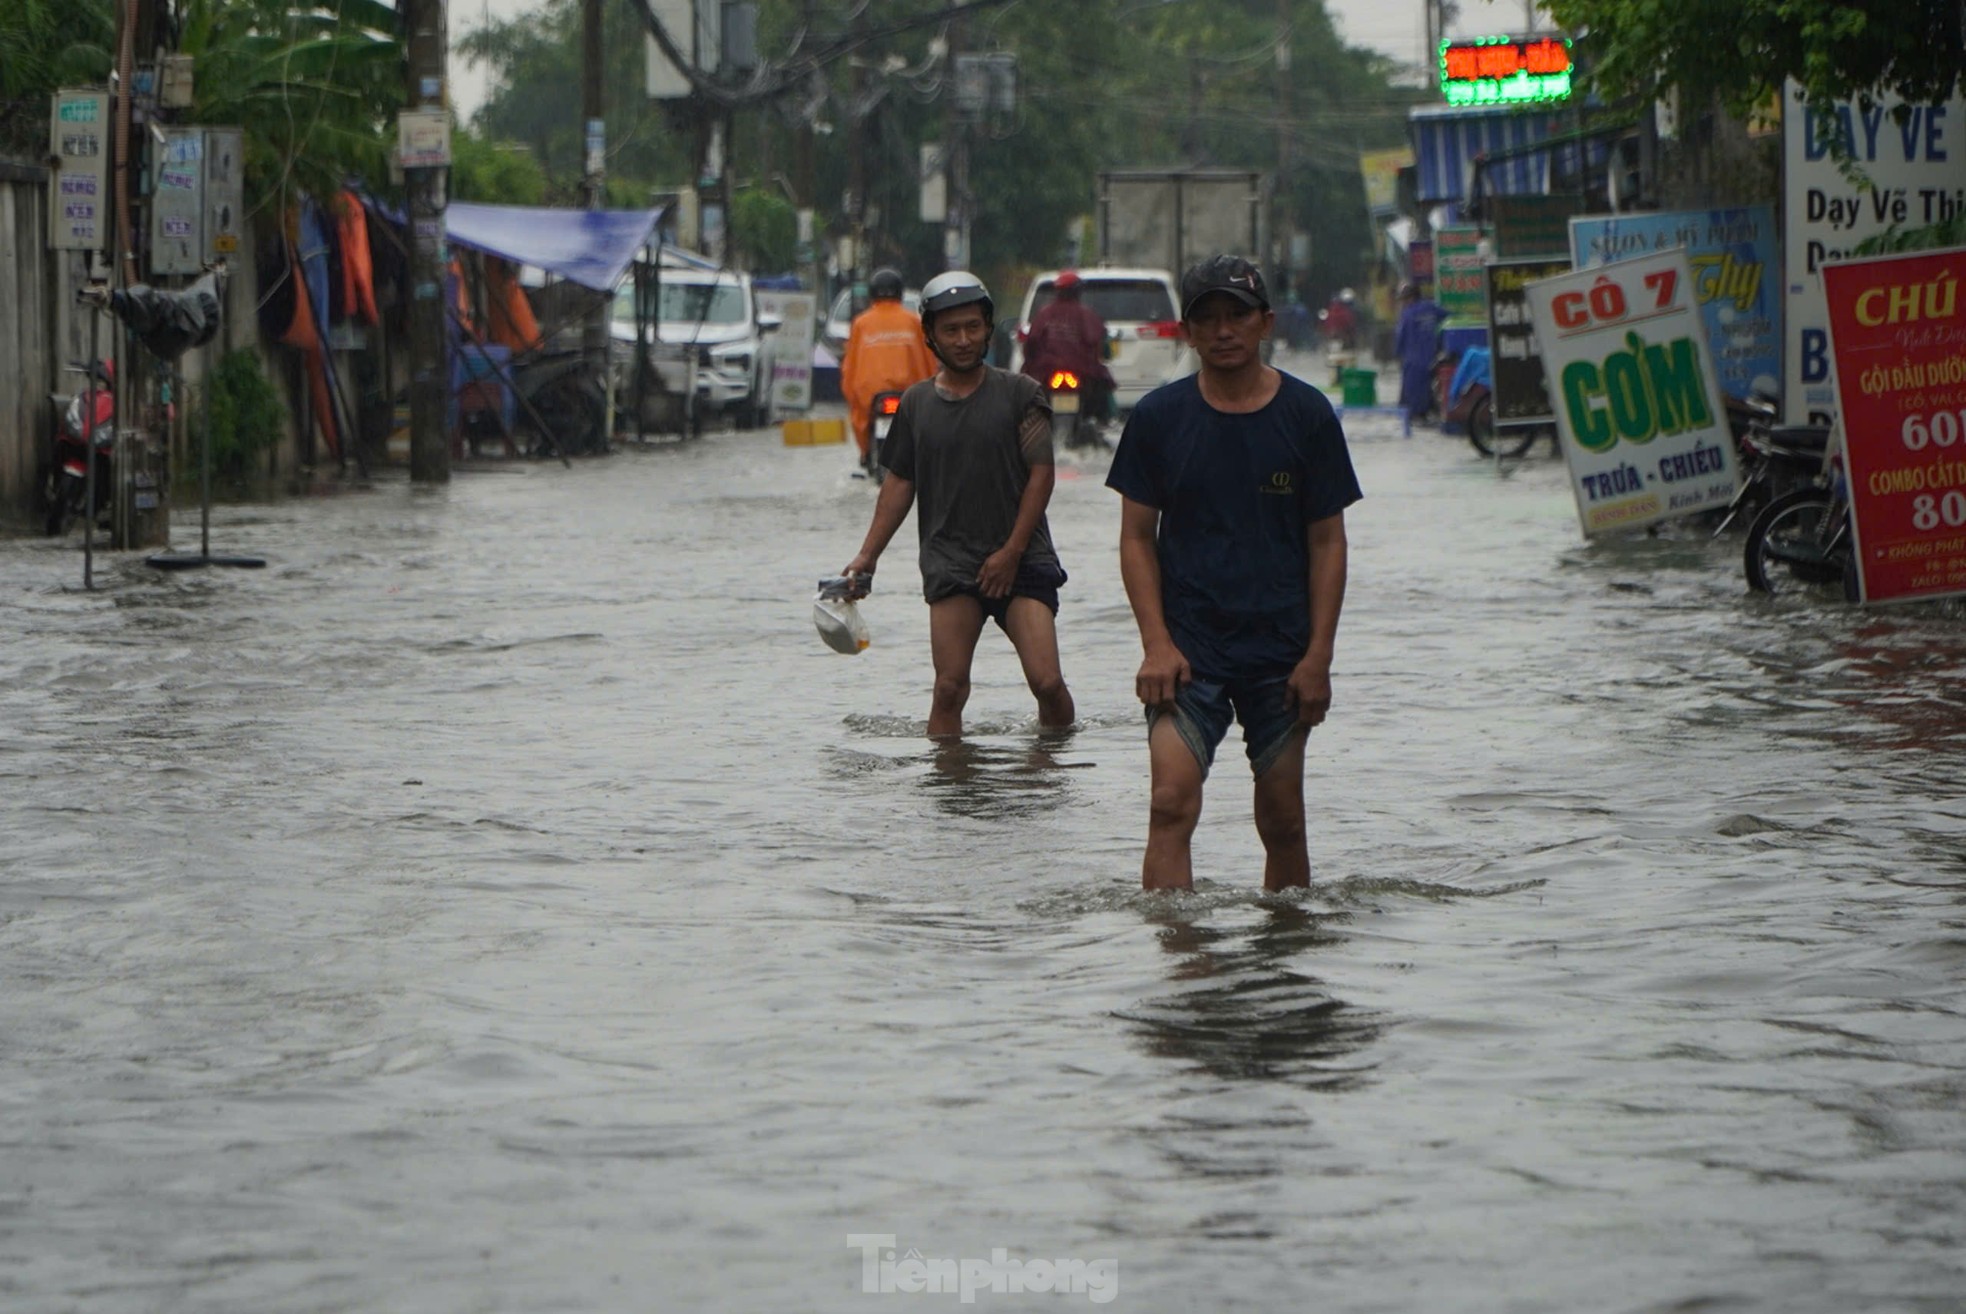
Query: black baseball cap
{"type": "Point", "coordinates": [1224, 273]}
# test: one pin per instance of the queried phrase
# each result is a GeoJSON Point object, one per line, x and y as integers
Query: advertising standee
{"type": "Point", "coordinates": [1898, 335]}
{"type": "Point", "coordinates": [1735, 275]}
{"type": "Point", "coordinates": [1910, 163]}
{"type": "Point", "coordinates": [1637, 403]}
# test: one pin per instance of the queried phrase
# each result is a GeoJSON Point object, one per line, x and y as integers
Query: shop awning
{"type": "Point", "coordinates": [590, 247]}
{"type": "Point", "coordinates": [1447, 141]}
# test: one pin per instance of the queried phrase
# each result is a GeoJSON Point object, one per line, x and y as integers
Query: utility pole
{"type": "Point", "coordinates": [857, 161]}
{"type": "Point", "coordinates": [955, 150]}
{"type": "Point", "coordinates": [1286, 206]}
{"type": "Point", "coordinates": [430, 451]}
{"type": "Point", "coordinates": [594, 339]}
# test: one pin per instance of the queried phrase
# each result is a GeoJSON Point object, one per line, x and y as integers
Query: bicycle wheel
{"type": "Point", "coordinates": [1492, 441]}
{"type": "Point", "coordinates": [1787, 543]}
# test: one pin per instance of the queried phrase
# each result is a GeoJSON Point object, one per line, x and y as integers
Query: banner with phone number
{"type": "Point", "coordinates": [1637, 400]}
{"type": "Point", "coordinates": [1898, 336]}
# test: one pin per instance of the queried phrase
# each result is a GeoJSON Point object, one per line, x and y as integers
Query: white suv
{"type": "Point", "coordinates": [713, 314]}
{"type": "Point", "coordinates": [1142, 317]}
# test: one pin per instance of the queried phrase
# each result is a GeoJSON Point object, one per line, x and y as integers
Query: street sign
{"type": "Point", "coordinates": [78, 195]}
{"type": "Point", "coordinates": [1637, 405]}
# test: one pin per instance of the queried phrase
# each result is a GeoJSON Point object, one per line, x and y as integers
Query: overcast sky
{"type": "Point", "coordinates": [1396, 27]}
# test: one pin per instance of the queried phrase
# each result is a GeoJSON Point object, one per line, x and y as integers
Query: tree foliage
{"type": "Point", "coordinates": [315, 83]}
{"type": "Point", "coordinates": [46, 45]}
{"type": "Point", "coordinates": [1740, 51]}
{"type": "Point", "coordinates": [1102, 84]}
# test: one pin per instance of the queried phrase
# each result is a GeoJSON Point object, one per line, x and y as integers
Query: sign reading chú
{"type": "Point", "coordinates": [1898, 330]}
{"type": "Point", "coordinates": [1643, 427]}
{"type": "Point", "coordinates": [78, 197]}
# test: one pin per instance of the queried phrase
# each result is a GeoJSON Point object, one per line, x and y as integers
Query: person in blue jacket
{"type": "Point", "coordinates": [1417, 342]}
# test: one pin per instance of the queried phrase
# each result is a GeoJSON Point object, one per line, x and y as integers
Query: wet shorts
{"type": "Point", "coordinates": [1038, 584]}
{"type": "Point", "coordinates": [1203, 709]}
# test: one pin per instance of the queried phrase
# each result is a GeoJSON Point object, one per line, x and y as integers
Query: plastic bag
{"type": "Point", "coordinates": [838, 621]}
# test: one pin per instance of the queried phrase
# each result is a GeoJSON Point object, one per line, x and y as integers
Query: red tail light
{"type": "Point", "coordinates": [1064, 380]}
{"type": "Point", "coordinates": [1163, 329]}
{"type": "Point", "coordinates": [890, 404]}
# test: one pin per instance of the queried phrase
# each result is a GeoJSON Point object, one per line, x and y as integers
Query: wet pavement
{"type": "Point", "coordinates": [503, 901]}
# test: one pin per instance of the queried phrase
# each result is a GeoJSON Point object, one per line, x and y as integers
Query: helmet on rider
{"type": "Point", "coordinates": [885, 285]}
{"type": "Point", "coordinates": [958, 287]}
{"type": "Point", "coordinates": [948, 291]}
{"type": "Point", "coordinates": [1068, 284]}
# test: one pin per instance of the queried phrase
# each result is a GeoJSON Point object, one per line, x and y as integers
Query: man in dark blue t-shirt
{"type": "Point", "coordinates": [1235, 482]}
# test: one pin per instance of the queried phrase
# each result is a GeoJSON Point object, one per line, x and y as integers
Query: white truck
{"type": "Point", "coordinates": [1171, 218]}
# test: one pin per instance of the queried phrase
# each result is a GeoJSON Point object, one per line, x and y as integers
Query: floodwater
{"type": "Point", "coordinates": [504, 902]}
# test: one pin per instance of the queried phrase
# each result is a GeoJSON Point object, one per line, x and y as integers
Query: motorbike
{"type": "Point", "coordinates": [1806, 532]}
{"type": "Point", "coordinates": [1775, 459]}
{"type": "Point", "coordinates": [886, 405]}
{"type": "Point", "coordinates": [1071, 424]}
{"type": "Point", "coordinates": [86, 431]}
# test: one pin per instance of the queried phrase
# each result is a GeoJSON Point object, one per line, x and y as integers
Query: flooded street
{"type": "Point", "coordinates": [504, 902]}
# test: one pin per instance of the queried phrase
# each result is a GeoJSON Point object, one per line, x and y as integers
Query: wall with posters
{"type": "Point", "coordinates": [1917, 175]}
{"type": "Point", "coordinates": [1643, 426]}
{"type": "Point", "coordinates": [1898, 334]}
{"type": "Point", "coordinates": [1735, 275]}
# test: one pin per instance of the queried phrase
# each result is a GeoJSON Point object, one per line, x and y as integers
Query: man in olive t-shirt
{"type": "Point", "coordinates": [973, 446]}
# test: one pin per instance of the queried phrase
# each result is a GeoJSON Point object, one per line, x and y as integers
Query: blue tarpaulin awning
{"type": "Point", "coordinates": [590, 247]}
{"type": "Point", "coordinates": [1447, 140]}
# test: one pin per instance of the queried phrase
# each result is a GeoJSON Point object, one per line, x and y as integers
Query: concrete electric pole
{"type": "Point", "coordinates": [427, 188]}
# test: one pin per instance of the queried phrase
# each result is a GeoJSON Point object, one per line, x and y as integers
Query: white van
{"type": "Point", "coordinates": [1142, 316]}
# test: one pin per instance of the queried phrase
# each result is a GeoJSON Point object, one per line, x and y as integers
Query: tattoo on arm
{"type": "Point", "coordinates": [1034, 437]}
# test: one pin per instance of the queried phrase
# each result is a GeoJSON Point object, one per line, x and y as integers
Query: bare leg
{"type": "Point", "coordinates": [954, 625]}
{"type": "Point", "coordinates": [1033, 631]}
{"type": "Point", "coordinates": [1280, 819]}
{"type": "Point", "coordinates": [1176, 808]}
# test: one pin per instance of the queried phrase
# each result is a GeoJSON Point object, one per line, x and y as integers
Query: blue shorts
{"type": "Point", "coordinates": [1203, 709]}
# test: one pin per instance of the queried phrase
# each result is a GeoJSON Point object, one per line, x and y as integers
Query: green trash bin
{"type": "Point", "coordinates": [1360, 387]}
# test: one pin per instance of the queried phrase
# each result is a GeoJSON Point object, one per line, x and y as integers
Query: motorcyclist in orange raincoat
{"type": "Point", "coordinates": [885, 352]}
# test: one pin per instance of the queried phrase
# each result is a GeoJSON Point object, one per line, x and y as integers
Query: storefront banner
{"type": "Point", "coordinates": [1735, 274]}
{"type": "Point", "coordinates": [1637, 402]}
{"type": "Point", "coordinates": [1913, 174]}
{"type": "Point", "coordinates": [1522, 389]}
{"type": "Point", "coordinates": [1898, 335]}
{"type": "Point", "coordinates": [1457, 273]}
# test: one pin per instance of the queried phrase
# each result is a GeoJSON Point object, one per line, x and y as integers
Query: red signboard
{"type": "Point", "coordinates": [1898, 332]}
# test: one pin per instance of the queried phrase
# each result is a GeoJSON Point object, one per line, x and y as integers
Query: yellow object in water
{"type": "Point", "coordinates": [813, 433]}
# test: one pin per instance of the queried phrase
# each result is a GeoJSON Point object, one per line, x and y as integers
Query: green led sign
{"type": "Point", "coordinates": [1505, 70]}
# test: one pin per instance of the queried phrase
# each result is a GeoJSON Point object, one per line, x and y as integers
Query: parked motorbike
{"type": "Point", "coordinates": [1804, 536]}
{"type": "Point", "coordinates": [1071, 424]}
{"type": "Point", "coordinates": [86, 430]}
{"type": "Point", "coordinates": [886, 406]}
{"type": "Point", "coordinates": [1775, 459]}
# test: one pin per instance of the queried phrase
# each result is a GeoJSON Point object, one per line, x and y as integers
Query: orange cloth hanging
{"type": "Point", "coordinates": [357, 267]}
{"type": "Point", "coordinates": [510, 310]}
